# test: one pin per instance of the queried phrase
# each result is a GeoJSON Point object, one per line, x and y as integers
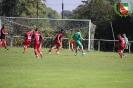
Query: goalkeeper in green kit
{"type": "Point", "coordinates": [77, 36]}
{"type": "Point", "coordinates": [126, 43]}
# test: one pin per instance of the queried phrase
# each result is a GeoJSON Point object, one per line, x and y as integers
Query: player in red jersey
{"type": "Point", "coordinates": [57, 42]}
{"type": "Point", "coordinates": [27, 41]}
{"type": "Point", "coordinates": [121, 45]}
{"type": "Point", "coordinates": [3, 36]}
{"type": "Point", "coordinates": [37, 41]}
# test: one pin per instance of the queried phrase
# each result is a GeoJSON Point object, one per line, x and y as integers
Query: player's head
{"type": "Point", "coordinates": [79, 30]}
{"type": "Point", "coordinates": [124, 34]}
{"type": "Point", "coordinates": [3, 26]}
{"type": "Point", "coordinates": [119, 35]}
{"type": "Point", "coordinates": [62, 31]}
{"type": "Point", "coordinates": [36, 29]}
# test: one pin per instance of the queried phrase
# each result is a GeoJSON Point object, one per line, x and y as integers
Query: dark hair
{"type": "Point", "coordinates": [79, 30]}
{"type": "Point", "coordinates": [61, 30]}
{"type": "Point", "coordinates": [36, 29]}
{"type": "Point", "coordinates": [3, 26]}
{"type": "Point", "coordinates": [119, 35]}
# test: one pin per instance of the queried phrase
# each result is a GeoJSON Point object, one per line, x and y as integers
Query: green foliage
{"type": "Point", "coordinates": [98, 11]}
{"type": "Point", "coordinates": [52, 13]}
{"type": "Point", "coordinates": [67, 14]}
{"type": "Point", "coordinates": [27, 8]}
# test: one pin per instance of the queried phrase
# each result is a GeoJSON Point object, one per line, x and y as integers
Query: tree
{"type": "Point", "coordinates": [100, 10]}
{"type": "Point", "coordinates": [52, 13]}
{"type": "Point", "coordinates": [26, 8]}
{"type": "Point", "coordinates": [67, 14]}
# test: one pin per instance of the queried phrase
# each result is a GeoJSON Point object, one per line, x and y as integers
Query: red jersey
{"type": "Point", "coordinates": [121, 41]}
{"type": "Point", "coordinates": [37, 38]}
{"type": "Point", "coordinates": [59, 36]}
{"type": "Point", "coordinates": [28, 35]}
{"type": "Point", "coordinates": [2, 34]}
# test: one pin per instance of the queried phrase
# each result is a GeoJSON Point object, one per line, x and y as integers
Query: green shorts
{"type": "Point", "coordinates": [78, 43]}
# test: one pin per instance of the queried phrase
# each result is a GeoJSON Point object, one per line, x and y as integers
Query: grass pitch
{"type": "Point", "coordinates": [94, 70]}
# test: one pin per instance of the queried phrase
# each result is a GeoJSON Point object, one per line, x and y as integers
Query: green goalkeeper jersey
{"type": "Point", "coordinates": [126, 40]}
{"type": "Point", "coordinates": [77, 36]}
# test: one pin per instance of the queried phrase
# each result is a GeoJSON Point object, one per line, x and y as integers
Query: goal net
{"type": "Point", "coordinates": [17, 26]}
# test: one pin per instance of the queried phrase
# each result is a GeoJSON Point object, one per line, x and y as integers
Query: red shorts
{"type": "Point", "coordinates": [36, 45]}
{"type": "Point", "coordinates": [3, 40]}
{"type": "Point", "coordinates": [74, 44]}
{"type": "Point", "coordinates": [27, 42]}
{"type": "Point", "coordinates": [121, 47]}
{"type": "Point", "coordinates": [57, 42]}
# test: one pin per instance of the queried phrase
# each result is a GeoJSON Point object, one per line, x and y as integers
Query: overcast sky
{"type": "Point", "coordinates": [68, 4]}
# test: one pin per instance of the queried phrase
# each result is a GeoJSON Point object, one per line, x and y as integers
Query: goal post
{"type": "Point", "coordinates": [89, 37]}
{"type": "Point", "coordinates": [17, 26]}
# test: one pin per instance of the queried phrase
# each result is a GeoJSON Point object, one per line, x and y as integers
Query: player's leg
{"type": "Point", "coordinates": [126, 47]}
{"type": "Point", "coordinates": [5, 45]}
{"type": "Point", "coordinates": [38, 49]}
{"type": "Point", "coordinates": [72, 47]}
{"type": "Point", "coordinates": [120, 53]}
{"type": "Point", "coordinates": [54, 46]}
{"type": "Point", "coordinates": [76, 49]}
{"type": "Point", "coordinates": [35, 50]}
{"type": "Point", "coordinates": [50, 50]}
{"type": "Point", "coordinates": [120, 50]}
{"type": "Point", "coordinates": [123, 52]}
{"type": "Point", "coordinates": [60, 46]}
{"type": "Point", "coordinates": [81, 47]}
{"type": "Point", "coordinates": [83, 53]}
{"type": "Point", "coordinates": [25, 46]}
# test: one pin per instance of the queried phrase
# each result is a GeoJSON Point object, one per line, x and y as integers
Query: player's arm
{"type": "Point", "coordinates": [4, 32]}
{"type": "Point", "coordinates": [61, 39]}
{"type": "Point", "coordinates": [81, 37]}
{"type": "Point", "coordinates": [58, 37]}
{"type": "Point", "coordinates": [42, 37]}
{"type": "Point", "coordinates": [126, 40]}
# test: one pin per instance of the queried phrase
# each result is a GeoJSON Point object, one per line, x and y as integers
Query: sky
{"type": "Point", "coordinates": [68, 4]}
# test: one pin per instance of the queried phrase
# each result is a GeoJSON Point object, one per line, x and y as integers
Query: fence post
{"type": "Point", "coordinates": [99, 45]}
{"type": "Point", "coordinates": [11, 43]}
{"type": "Point", "coordinates": [89, 35]}
{"type": "Point", "coordinates": [69, 46]}
{"type": "Point", "coordinates": [129, 47]}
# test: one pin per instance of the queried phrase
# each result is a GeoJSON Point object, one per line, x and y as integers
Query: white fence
{"type": "Point", "coordinates": [98, 42]}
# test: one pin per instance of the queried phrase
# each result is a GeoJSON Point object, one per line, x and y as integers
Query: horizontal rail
{"type": "Point", "coordinates": [69, 38]}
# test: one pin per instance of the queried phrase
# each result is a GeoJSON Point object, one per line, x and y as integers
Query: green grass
{"type": "Point", "coordinates": [94, 70]}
